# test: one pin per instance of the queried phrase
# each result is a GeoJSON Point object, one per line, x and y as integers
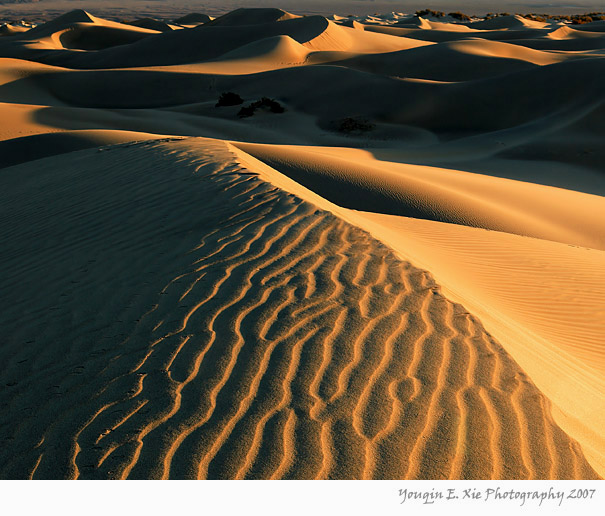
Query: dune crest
{"type": "Point", "coordinates": [247, 16]}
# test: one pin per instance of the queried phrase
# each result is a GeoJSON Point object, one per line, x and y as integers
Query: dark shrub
{"type": "Point", "coordinates": [534, 17]}
{"type": "Point", "coordinates": [430, 12]}
{"type": "Point", "coordinates": [246, 111]}
{"type": "Point", "coordinates": [272, 105]}
{"type": "Point", "coordinates": [579, 20]}
{"type": "Point", "coordinates": [265, 103]}
{"type": "Point", "coordinates": [229, 99]}
{"type": "Point", "coordinates": [460, 16]}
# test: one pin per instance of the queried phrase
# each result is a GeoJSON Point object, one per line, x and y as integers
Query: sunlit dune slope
{"type": "Point", "coordinates": [445, 195]}
{"type": "Point", "coordinates": [544, 300]}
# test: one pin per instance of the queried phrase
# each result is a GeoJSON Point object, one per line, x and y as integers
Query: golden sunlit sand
{"type": "Point", "coordinates": [382, 256]}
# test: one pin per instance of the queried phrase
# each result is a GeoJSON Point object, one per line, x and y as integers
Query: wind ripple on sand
{"type": "Point", "coordinates": [280, 342]}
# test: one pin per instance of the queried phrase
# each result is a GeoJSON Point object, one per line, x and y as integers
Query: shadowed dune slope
{"type": "Point", "coordinates": [595, 26]}
{"type": "Point", "coordinates": [211, 325]}
{"type": "Point", "coordinates": [564, 45]}
{"type": "Point", "coordinates": [454, 33]}
{"type": "Point", "coordinates": [151, 24]}
{"type": "Point", "coordinates": [193, 19]}
{"type": "Point", "coordinates": [86, 37]}
{"type": "Point", "coordinates": [28, 148]}
{"type": "Point", "coordinates": [329, 92]}
{"type": "Point", "coordinates": [458, 61]}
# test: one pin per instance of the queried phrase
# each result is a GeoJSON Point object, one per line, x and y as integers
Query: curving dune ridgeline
{"type": "Point", "coordinates": [282, 343]}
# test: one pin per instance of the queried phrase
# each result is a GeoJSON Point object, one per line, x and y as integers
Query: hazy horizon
{"type": "Point", "coordinates": [48, 8]}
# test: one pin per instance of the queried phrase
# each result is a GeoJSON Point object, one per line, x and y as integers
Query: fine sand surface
{"type": "Point", "coordinates": [401, 275]}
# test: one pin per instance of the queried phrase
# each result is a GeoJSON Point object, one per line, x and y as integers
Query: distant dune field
{"type": "Point", "coordinates": [271, 246]}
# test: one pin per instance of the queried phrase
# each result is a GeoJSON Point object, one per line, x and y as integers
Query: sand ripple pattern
{"type": "Point", "coordinates": [283, 343]}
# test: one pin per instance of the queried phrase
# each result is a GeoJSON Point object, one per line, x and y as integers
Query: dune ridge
{"type": "Point", "coordinates": [224, 364]}
{"type": "Point", "coordinates": [505, 278]}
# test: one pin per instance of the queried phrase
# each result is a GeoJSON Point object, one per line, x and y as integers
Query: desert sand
{"type": "Point", "coordinates": [385, 259]}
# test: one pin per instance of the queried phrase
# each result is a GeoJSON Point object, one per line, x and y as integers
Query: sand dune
{"type": "Point", "coordinates": [461, 61]}
{"type": "Point", "coordinates": [58, 23]}
{"type": "Point", "coordinates": [204, 42]}
{"type": "Point", "coordinates": [10, 30]}
{"type": "Point", "coordinates": [193, 19]}
{"type": "Point", "coordinates": [455, 33]}
{"type": "Point", "coordinates": [252, 17]}
{"type": "Point", "coordinates": [507, 22]}
{"type": "Point", "coordinates": [281, 50]}
{"type": "Point", "coordinates": [384, 262]}
{"type": "Point", "coordinates": [83, 37]}
{"type": "Point", "coordinates": [566, 32]}
{"type": "Point", "coordinates": [506, 278]}
{"type": "Point", "coordinates": [416, 22]}
{"type": "Point", "coordinates": [79, 21]}
{"type": "Point", "coordinates": [150, 23]}
{"type": "Point", "coordinates": [336, 37]}
{"type": "Point", "coordinates": [357, 358]}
